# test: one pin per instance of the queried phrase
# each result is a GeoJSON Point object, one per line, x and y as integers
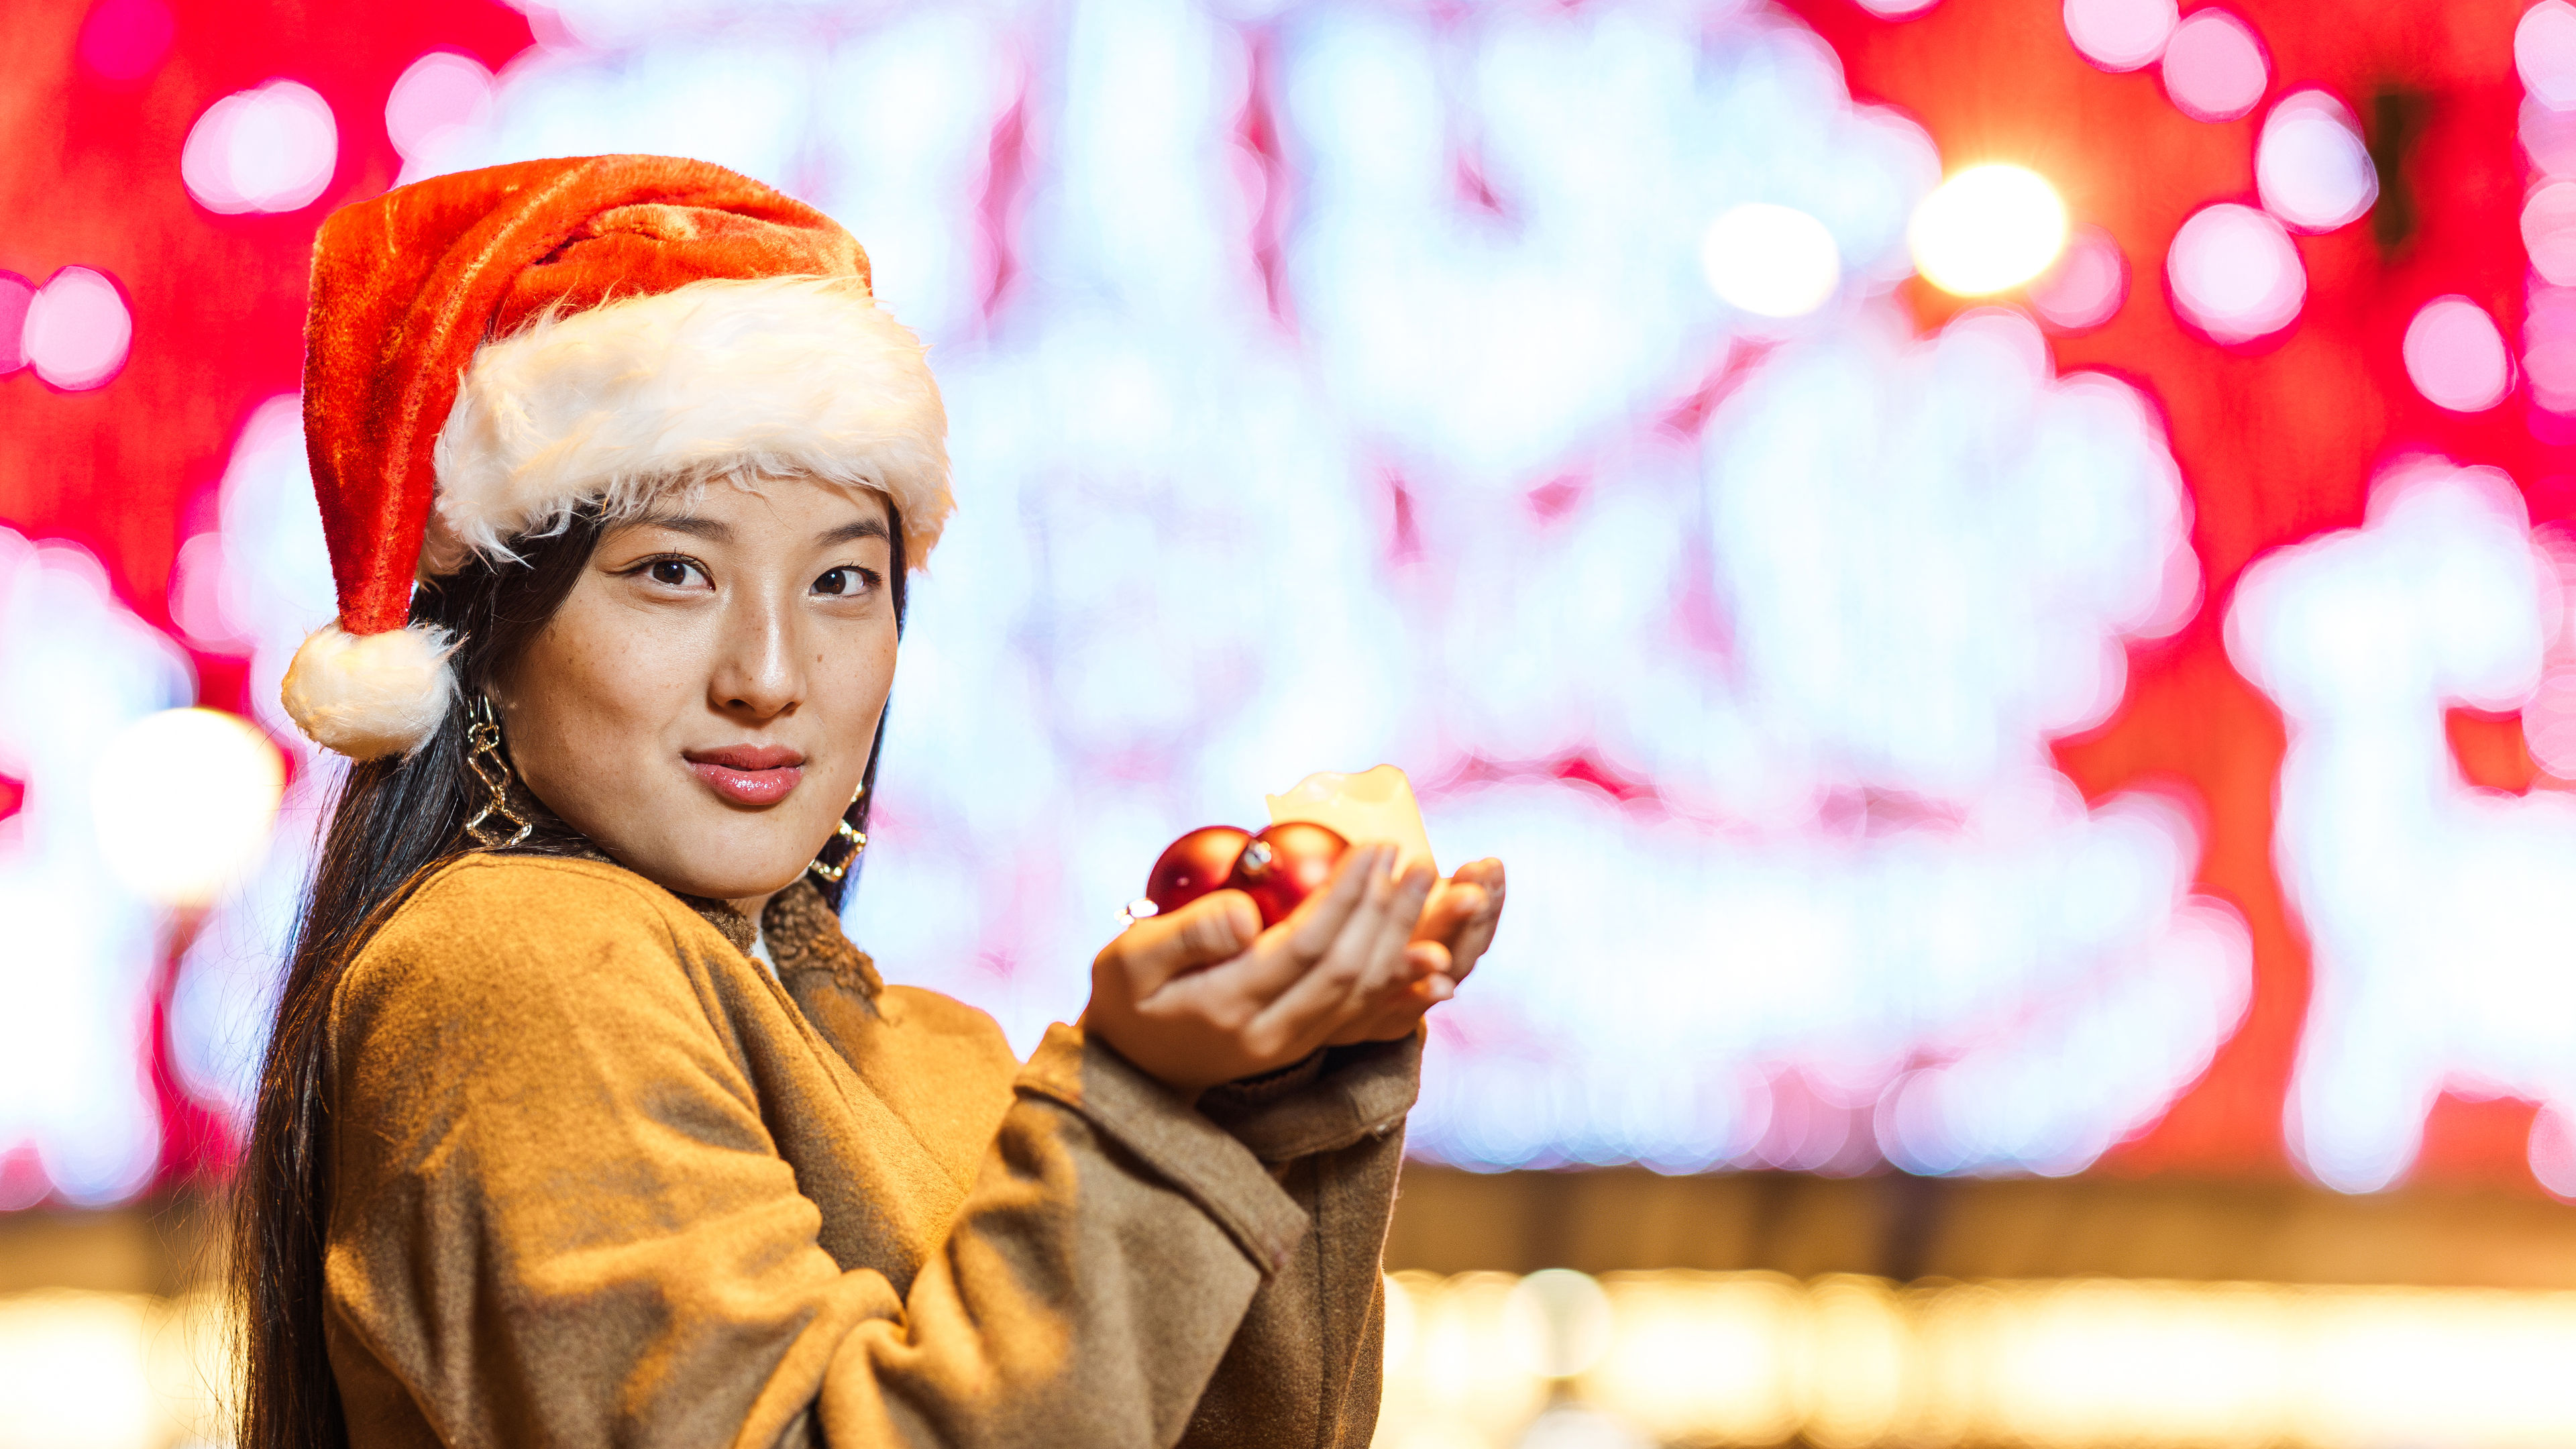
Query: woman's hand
{"type": "Point", "coordinates": [1454, 931]}
{"type": "Point", "coordinates": [1204, 995]}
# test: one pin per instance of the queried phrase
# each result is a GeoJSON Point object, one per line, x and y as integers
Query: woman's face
{"type": "Point", "coordinates": [703, 703]}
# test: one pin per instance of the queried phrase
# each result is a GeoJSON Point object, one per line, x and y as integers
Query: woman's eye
{"type": "Point", "coordinates": [841, 581]}
{"type": "Point", "coordinates": [673, 573]}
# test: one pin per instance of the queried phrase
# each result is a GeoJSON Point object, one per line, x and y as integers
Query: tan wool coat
{"type": "Point", "coordinates": [599, 1178]}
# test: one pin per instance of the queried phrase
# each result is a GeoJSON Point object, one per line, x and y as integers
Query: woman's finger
{"type": "Point", "coordinates": [1289, 950]}
{"type": "Point", "coordinates": [1213, 928]}
{"type": "Point", "coordinates": [1368, 952]}
{"type": "Point", "coordinates": [1475, 931]}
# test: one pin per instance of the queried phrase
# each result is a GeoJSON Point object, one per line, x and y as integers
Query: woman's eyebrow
{"type": "Point", "coordinates": [850, 532]}
{"type": "Point", "coordinates": [710, 529]}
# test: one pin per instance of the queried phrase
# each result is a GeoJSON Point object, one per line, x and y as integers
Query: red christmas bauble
{"type": "Point", "coordinates": [1285, 864]}
{"type": "Point", "coordinates": [1194, 865]}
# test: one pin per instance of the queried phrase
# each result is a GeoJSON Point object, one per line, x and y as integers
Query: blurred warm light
{"type": "Point", "coordinates": [1753, 1358]}
{"type": "Point", "coordinates": [2235, 274]}
{"type": "Point", "coordinates": [1772, 261]}
{"type": "Point", "coordinates": [183, 800]}
{"type": "Point", "coordinates": [83, 1370]}
{"type": "Point", "coordinates": [267, 149]}
{"type": "Point", "coordinates": [2455, 356]}
{"type": "Point", "coordinates": [77, 330]}
{"type": "Point", "coordinates": [2119, 35]}
{"type": "Point", "coordinates": [2214, 68]}
{"type": "Point", "coordinates": [2085, 286]}
{"type": "Point", "coordinates": [1986, 229]}
{"type": "Point", "coordinates": [2544, 51]}
{"type": "Point", "coordinates": [2310, 165]}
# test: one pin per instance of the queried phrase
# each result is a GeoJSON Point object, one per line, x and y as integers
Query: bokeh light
{"type": "Point", "coordinates": [2311, 166]}
{"type": "Point", "coordinates": [2214, 67]}
{"type": "Point", "coordinates": [2434, 910]}
{"type": "Point", "coordinates": [1772, 261]}
{"type": "Point", "coordinates": [2086, 285]}
{"type": "Point", "coordinates": [2235, 274]}
{"type": "Point", "coordinates": [2544, 53]}
{"type": "Point", "coordinates": [17, 294]}
{"type": "Point", "coordinates": [77, 331]}
{"type": "Point", "coordinates": [2119, 35]}
{"type": "Point", "coordinates": [1845, 1362]}
{"type": "Point", "coordinates": [438, 102]}
{"type": "Point", "coordinates": [1987, 229]}
{"type": "Point", "coordinates": [271, 148]}
{"type": "Point", "coordinates": [2455, 356]}
{"type": "Point", "coordinates": [125, 40]}
{"type": "Point", "coordinates": [2549, 231]}
{"type": "Point", "coordinates": [183, 801]}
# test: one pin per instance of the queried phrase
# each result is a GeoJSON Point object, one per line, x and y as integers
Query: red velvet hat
{"type": "Point", "coordinates": [490, 351]}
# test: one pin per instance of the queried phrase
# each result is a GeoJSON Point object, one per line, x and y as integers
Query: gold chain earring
{"type": "Point", "coordinates": [483, 757]}
{"type": "Point", "coordinates": [857, 838]}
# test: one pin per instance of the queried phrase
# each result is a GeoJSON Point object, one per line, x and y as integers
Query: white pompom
{"type": "Point", "coordinates": [368, 695]}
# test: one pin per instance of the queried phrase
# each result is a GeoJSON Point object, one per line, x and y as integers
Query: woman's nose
{"type": "Point", "coordinates": [758, 671]}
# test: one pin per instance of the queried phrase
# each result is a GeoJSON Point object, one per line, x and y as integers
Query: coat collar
{"type": "Point", "coordinates": [801, 929]}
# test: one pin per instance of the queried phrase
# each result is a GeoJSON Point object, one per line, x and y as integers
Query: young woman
{"type": "Point", "coordinates": [581, 1121]}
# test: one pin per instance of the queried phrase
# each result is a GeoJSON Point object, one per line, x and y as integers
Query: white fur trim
{"type": "Point", "coordinates": [366, 695]}
{"type": "Point", "coordinates": [623, 402]}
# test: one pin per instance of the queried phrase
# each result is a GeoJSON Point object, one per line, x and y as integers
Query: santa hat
{"type": "Point", "coordinates": [489, 352]}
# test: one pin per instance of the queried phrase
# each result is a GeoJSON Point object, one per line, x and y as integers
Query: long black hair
{"type": "Point", "coordinates": [396, 822]}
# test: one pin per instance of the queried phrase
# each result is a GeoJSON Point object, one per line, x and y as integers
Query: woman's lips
{"type": "Point", "coordinates": [749, 774]}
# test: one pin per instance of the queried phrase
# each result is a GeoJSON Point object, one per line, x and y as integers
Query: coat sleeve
{"type": "Point", "coordinates": [557, 1218]}
{"type": "Point", "coordinates": [1305, 1366]}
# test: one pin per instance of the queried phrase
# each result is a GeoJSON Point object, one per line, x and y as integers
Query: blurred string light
{"type": "Point", "coordinates": [1772, 261]}
{"type": "Point", "coordinates": [271, 148]}
{"type": "Point", "coordinates": [2085, 286]}
{"type": "Point", "coordinates": [249, 585]}
{"type": "Point", "coordinates": [1856, 861]}
{"type": "Point", "coordinates": [2544, 48]}
{"type": "Point", "coordinates": [2455, 356]}
{"type": "Point", "coordinates": [76, 944]}
{"type": "Point", "coordinates": [2549, 231]}
{"type": "Point", "coordinates": [2437, 914]}
{"type": "Point", "coordinates": [77, 331]}
{"type": "Point", "coordinates": [2235, 274]}
{"type": "Point", "coordinates": [17, 294]}
{"type": "Point", "coordinates": [437, 103]}
{"type": "Point", "coordinates": [2544, 53]}
{"type": "Point", "coordinates": [1987, 229]}
{"type": "Point", "coordinates": [2310, 165]}
{"type": "Point", "coordinates": [1845, 1362]}
{"type": "Point", "coordinates": [183, 800]}
{"type": "Point", "coordinates": [2214, 67]}
{"type": "Point", "coordinates": [2119, 35]}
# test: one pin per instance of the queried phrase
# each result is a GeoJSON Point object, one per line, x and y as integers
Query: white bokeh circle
{"type": "Point", "coordinates": [2119, 35]}
{"type": "Point", "coordinates": [271, 148]}
{"type": "Point", "coordinates": [1772, 261]}
{"type": "Point", "coordinates": [2214, 68]}
{"type": "Point", "coordinates": [2310, 164]}
{"type": "Point", "coordinates": [2235, 273]}
{"type": "Point", "coordinates": [78, 330]}
{"type": "Point", "coordinates": [2455, 356]}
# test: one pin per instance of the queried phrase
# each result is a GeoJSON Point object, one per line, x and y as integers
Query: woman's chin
{"type": "Point", "coordinates": [746, 868]}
